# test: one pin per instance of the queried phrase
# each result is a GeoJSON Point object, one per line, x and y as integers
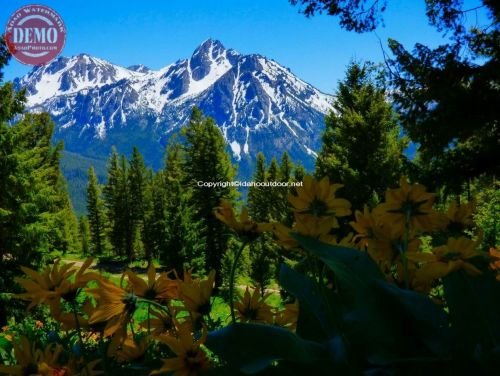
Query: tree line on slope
{"type": "Point", "coordinates": [166, 215]}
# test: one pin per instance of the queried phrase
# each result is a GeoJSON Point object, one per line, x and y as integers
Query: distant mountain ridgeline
{"type": "Point", "coordinates": [258, 105]}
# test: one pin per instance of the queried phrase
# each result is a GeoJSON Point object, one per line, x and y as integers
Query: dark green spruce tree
{"type": "Point", "coordinates": [115, 203]}
{"type": "Point", "coordinates": [95, 210]}
{"type": "Point", "coordinates": [127, 223]}
{"type": "Point", "coordinates": [447, 95]}
{"type": "Point", "coordinates": [150, 231]}
{"type": "Point", "coordinates": [136, 183]}
{"type": "Point", "coordinates": [36, 217]}
{"type": "Point", "coordinates": [206, 160]}
{"type": "Point", "coordinates": [257, 201]}
{"type": "Point", "coordinates": [273, 194]}
{"type": "Point", "coordinates": [262, 255]}
{"type": "Point", "coordinates": [184, 248]}
{"type": "Point", "coordinates": [286, 168]}
{"type": "Point", "coordinates": [362, 147]}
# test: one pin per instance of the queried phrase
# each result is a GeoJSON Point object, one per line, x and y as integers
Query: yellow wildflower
{"type": "Point", "coordinates": [159, 289]}
{"type": "Point", "coordinates": [459, 216]}
{"type": "Point", "coordinates": [253, 307]}
{"type": "Point", "coordinates": [41, 286]}
{"type": "Point", "coordinates": [455, 255]}
{"type": "Point", "coordinates": [196, 295]}
{"type": "Point", "coordinates": [191, 360]}
{"type": "Point", "coordinates": [160, 322]}
{"type": "Point", "coordinates": [114, 305]}
{"type": "Point", "coordinates": [243, 226]}
{"type": "Point", "coordinates": [287, 317]}
{"type": "Point", "coordinates": [317, 199]}
{"type": "Point", "coordinates": [365, 226]}
{"type": "Point", "coordinates": [69, 288]}
{"type": "Point", "coordinates": [33, 361]}
{"type": "Point", "coordinates": [282, 234]}
{"type": "Point", "coordinates": [131, 350]}
{"type": "Point", "coordinates": [412, 203]}
{"type": "Point", "coordinates": [314, 227]}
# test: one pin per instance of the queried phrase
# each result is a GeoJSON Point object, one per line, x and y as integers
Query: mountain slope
{"type": "Point", "coordinates": [258, 104]}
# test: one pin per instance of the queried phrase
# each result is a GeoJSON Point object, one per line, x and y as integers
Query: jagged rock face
{"type": "Point", "coordinates": [139, 68]}
{"type": "Point", "coordinates": [258, 104]}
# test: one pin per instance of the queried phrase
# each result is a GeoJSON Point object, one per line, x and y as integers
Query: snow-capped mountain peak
{"type": "Point", "coordinates": [209, 62]}
{"type": "Point", "coordinates": [65, 76]}
{"type": "Point", "coordinates": [141, 68]}
{"type": "Point", "coordinates": [258, 104]}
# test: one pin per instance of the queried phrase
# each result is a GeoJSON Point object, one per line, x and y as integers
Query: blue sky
{"type": "Point", "coordinates": [156, 33]}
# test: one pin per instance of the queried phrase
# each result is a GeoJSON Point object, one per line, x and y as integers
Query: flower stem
{"type": "Point", "coordinates": [132, 329]}
{"type": "Point", "coordinates": [404, 256]}
{"type": "Point", "coordinates": [80, 337]}
{"type": "Point", "coordinates": [231, 280]}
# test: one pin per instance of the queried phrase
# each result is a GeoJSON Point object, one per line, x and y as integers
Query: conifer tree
{"type": "Point", "coordinates": [115, 204]}
{"type": "Point", "coordinates": [136, 183]}
{"type": "Point", "coordinates": [183, 247]}
{"type": "Point", "coordinates": [40, 206]}
{"type": "Point", "coordinates": [127, 222]}
{"type": "Point", "coordinates": [151, 206]}
{"type": "Point", "coordinates": [362, 147]}
{"type": "Point", "coordinates": [207, 160]}
{"type": "Point", "coordinates": [285, 176]}
{"type": "Point", "coordinates": [261, 251]}
{"type": "Point", "coordinates": [35, 212]}
{"type": "Point", "coordinates": [298, 173]}
{"type": "Point", "coordinates": [95, 209]}
{"type": "Point", "coordinates": [273, 195]}
{"type": "Point", "coordinates": [257, 200]}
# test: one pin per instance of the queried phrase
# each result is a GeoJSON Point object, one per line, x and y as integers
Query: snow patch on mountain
{"type": "Point", "coordinates": [217, 67]}
{"type": "Point", "coordinates": [258, 104]}
{"type": "Point", "coordinates": [71, 75]}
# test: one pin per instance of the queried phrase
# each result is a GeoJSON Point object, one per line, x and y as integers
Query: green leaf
{"type": "Point", "coordinates": [474, 304]}
{"type": "Point", "coordinates": [313, 323]}
{"type": "Point", "coordinates": [346, 262]}
{"type": "Point", "coordinates": [426, 322]}
{"type": "Point", "coordinates": [371, 329]}
{"type": "Point", "coordinates": [254, 347]}
{"type": "Point", "coordinates": [5, 346]}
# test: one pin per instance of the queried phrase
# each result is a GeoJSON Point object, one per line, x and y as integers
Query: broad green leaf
{"type": "Point", "coordinates": [474, 304]}
{"type": "Point", "coordinates": [370, 328]}
{"type": "Point", "coordinates": [342, 260]}
{"type": "Point", "coordinates": [426, 322]}
{"type": "Point", "coordinates": [253, 347]}
{"type": "Point", "coordinates": [314, 322]}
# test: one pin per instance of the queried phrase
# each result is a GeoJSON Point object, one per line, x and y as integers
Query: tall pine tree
{"type": "Point", "coordinates": [257, 195]}
{"type": "Point", "coordinates": [262, 256]}
{"type": "Point", "coordinates": [207, 160]}
{"type": "Point", "coordinates": [286, 168]}
{"type": "Point", "coordinates": [95, 209]}
{"type": "Point", "coordinates": [362, 147]}
{"type": "Point", "coordinates": [36, 217]}
{"type": "Point", "coordinates": [273, 194]}
{"type": "Point", "coordinates": [136, 183]}
{"type": "Point", "coordinates": [115, 202]}
{"type": "Point", "coordinates": [184, 246]}
{"type": "Point", "coordinates": [153, 204]}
